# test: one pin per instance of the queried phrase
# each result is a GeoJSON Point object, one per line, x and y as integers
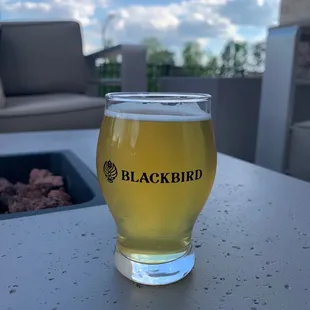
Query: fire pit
{"type": "Point", "coordinates": [36, 183]}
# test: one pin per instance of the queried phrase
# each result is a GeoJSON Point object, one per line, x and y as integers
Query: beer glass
{"type": "Point", "coordinates": [156, 163]}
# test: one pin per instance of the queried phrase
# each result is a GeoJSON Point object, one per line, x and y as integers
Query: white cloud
{"type": "Point", "coordinates": [173, 23]}
{"type": "Point", "coordinates": [80, 10]}
{"type": "Point", "coordinates": [89, 48]}
{"type": "Point", "coordinates": [262, 13]}
{"type": "Point", "coordinates": [253, 33]}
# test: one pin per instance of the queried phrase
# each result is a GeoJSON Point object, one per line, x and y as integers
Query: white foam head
{"type": "Point", "coordinates": [156, 112]}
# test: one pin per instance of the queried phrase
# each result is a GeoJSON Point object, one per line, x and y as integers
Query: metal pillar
{"type": "Point", "coordinates": [277, 97]}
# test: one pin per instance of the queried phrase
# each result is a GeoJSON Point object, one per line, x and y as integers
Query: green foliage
{"type": "Point", "coordinates": [110, 59]}
{"type": "Point", "coordinates": [259, 52]}
{"type": "Point", "coordinates": [212, 66]}
{"type": "Point", "coordinates": [192, 55]}
{"type": "Point", "coordinates": [236, 58]}
{"type": "Point", "coordinates": [156, 54]}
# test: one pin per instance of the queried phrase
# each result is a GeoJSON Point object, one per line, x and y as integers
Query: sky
{"type": "Point", "coordinates": [174, 22]}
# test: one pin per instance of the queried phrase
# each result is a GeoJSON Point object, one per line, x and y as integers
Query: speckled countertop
{"type": "Point", "coordinates": [252, 244]}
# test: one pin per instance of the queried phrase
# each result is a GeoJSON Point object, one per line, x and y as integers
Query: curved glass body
{"type": "Point", "coordinates": [156, 163]}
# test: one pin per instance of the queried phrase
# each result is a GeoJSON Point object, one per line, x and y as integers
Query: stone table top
{"type": "Point", "coordinates": [252, 244]}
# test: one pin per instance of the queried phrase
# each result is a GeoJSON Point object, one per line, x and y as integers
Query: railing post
{"type": "Point", "coordinates": [92, 74]}
{"type": "Point", "coordinates": [133, 69]}
{"type": "Point", "coordinates": [277, 98]}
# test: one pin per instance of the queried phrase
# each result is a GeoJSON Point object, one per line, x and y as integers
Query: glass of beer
{"type": "Point", "coordinates": [156, 163]}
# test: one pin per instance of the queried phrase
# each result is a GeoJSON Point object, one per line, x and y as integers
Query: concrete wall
{"type": "Point", "coordinates": [294, 10]}
{"type": "Point", "coordinates": [235, 108]}
{"type": "Point", "coordinates": [302, 106]}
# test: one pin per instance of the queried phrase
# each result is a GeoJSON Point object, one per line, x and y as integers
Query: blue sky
{"type": "Point", "coordinates": [209, 22]}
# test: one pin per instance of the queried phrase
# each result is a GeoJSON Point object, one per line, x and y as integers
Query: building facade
{"type": "Point", "coordinates": [294, 10]}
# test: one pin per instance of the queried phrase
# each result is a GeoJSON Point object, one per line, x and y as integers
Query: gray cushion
{"type": "Point", "coordinates": [80, 119]}
{"type": "Point", "coordinates": [38, 58]}
{"type": "Point", "coordinates": [48, 104]}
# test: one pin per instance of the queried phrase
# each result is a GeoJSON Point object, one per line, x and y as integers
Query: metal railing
{"type": "Point", "coordinates": [154, 73]}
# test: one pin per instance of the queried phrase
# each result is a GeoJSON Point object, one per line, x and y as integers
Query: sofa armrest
{"type": "Point", "coordinates": [133, 67]}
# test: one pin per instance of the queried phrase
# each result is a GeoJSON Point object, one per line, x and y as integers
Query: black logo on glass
{"type": "Point", "coordinates": [110, 171]}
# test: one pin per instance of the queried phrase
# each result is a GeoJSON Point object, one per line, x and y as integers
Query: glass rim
{"type": "Point", "coordinates": [158, 97]}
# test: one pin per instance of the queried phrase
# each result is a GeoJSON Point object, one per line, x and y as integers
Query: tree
{"type": "Point", "coordinates": [227, 57]}
{"type": "Point", "coordinates": [241, 57]}
{"type": "Point", "coordinates": [259, 54]}
{"type": "Point", "coordinates": [110, 58]}
{"type": "Point", "coordinates": [152, 44]}
{"type": "Point", "coordinates": [212, 66]}
{"type": "Point", "coordinates": [193, 59]}
{"type": "Point", "coordinates": [234, 58]}
{"type": "Point", "coordinates": [156, 54]}
{"type": "Point", "coordinates": [163, 57]}
{"type": "Point", "coordinates": [192, 54]}
{"type": "Point", "coordinates": [108, 43]}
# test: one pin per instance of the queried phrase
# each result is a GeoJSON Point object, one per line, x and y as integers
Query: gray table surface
{"type": "Point", "coordinates": [252, 238]}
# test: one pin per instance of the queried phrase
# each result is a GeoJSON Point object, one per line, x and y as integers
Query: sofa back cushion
{"type": "Point", "coordinates": [41, 57]}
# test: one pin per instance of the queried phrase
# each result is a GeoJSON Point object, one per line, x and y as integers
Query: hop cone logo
{"type": "Point", "coordinates": [110, 171]}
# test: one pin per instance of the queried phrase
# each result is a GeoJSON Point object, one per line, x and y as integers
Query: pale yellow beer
{"type": "Point", "coordinates": [156, 168]}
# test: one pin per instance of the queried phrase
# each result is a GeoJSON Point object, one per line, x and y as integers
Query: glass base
{"type": "Point", "coordinates": [155, 274]}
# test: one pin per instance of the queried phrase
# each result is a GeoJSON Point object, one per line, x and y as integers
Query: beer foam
{"type": "Point", "coordinates": [156, 112]}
